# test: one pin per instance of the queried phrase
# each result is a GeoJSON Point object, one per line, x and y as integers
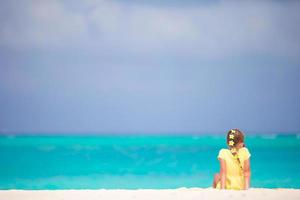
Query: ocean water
{"type": "Point", "coordinates": [131, 162]}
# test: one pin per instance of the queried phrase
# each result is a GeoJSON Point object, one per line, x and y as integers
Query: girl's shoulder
{"type": "Point", "coordinates": [244, 149]}
{"type": "Point", "coordinates": [244, 153]}
{"type": "Point", "coordinates": [224, 150]}
{"type": "Point", "coordinates": [224, 153]}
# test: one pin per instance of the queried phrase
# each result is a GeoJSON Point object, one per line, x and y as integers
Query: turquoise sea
{"type": "Point", "coordinates": [132, 161]}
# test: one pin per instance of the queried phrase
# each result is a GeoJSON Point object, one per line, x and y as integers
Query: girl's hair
{"type": "Point", "coordinates": [238, 137]}
{"type": "Point", "coordinates": [235, 136]}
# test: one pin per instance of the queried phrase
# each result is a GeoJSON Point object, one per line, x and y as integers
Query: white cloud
{"type": "Point", "coordinates": [43, 24]}
{"type": "Point", "coordinates": [220, 29]}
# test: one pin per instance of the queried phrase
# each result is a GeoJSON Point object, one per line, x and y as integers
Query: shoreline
{"type": "Point", "coordinates": [165, 194]}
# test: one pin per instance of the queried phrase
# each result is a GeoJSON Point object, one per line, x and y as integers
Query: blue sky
{"type": "Point", "coordinates": [149, 66]}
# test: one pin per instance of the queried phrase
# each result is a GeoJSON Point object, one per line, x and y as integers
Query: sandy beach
{"type": "Point", "coordinates": [150, 194]}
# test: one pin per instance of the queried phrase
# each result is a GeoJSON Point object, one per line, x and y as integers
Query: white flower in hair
{"type": "Point", "coordinates": [231, 136]}
{"type": "Point", "coordinates": [231, 143]}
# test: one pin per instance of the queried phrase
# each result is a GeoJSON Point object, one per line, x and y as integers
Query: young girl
{"type": "Point", "coordinates": [234, 164]}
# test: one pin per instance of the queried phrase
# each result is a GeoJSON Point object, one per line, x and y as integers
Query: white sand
{"type": "Point", "coordinates": [147, 194]}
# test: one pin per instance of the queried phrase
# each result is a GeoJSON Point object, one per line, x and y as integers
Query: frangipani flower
{"type": "Point", "coordinates": [231, 136]}
{"type": "Point", "coordinates": [232, 131]}
{"type": "Point", "coordinates": [231, 143]}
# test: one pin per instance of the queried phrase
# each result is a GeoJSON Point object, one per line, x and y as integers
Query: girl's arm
{"type": "Point", "coordinates": [247, 174]}
{"type": "Point", "coordinates": [222, 173]}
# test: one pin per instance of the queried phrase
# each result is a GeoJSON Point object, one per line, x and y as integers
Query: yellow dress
{"type": "Point", "coordinates": [234, 172]}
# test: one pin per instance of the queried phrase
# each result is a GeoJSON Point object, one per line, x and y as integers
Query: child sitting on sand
{"type": "Point", "coordinates": [234, 164]}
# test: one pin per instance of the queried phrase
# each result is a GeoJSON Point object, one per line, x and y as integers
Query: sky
{"type": "Point", "coordinates": [128, 66]}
